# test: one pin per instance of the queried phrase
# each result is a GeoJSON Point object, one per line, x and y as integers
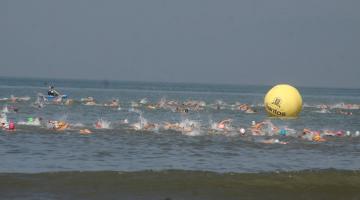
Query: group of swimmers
{"type": "Point", "coordinates": [6, 124]}
{"type": "Point", "coordinates": [197, 106]}
{"type": "Point", "coordinates": [172, 105]}
{"type": "Point", "coordinates": [188, 127]}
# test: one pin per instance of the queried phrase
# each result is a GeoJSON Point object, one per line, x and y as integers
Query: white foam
{"type": "Point", "coordinates": [5, 110]}
{"type": "Point", "coordinates": [103, 124]}
{"type": "Point", "coordinates": [144, 101]}
{"type": "Point", "coordinates": [3, 118]}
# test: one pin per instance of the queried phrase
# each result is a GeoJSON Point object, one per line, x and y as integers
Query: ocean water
{"type": "Point", "coordinates": [33, 156]}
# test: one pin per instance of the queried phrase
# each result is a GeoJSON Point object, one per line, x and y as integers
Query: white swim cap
{"type": "Point", "coordinates": [357, 133]}
{"type": "Point", "coordinates": [253, 123]}
{"type": "Point", "coordinates": [242, 130]}
{"type": "Point", "coordinates": [348, 133]}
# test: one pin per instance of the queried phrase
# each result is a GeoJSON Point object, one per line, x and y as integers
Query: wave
{"type": "Point", "coordinates": [179, 184]}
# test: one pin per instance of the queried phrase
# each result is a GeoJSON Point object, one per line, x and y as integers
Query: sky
{"type": "Point", "coordinates": [256, 42]}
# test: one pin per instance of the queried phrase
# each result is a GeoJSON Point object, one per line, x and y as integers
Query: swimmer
{"type": "Point", "coordinates": [323, 106]}
{"type": "Point", "coordinates": [323, 110]}
{"type": "Point", "coordinates": [224, 125]}
{"type": "Point", "coordinates": [250, 111]}
{"type": "Point", "coordinates": [144, 126]}
{"type": "Point", "coordinates": [52, 92]}
{"type": "Point", "coordinates": [58, 125]}
{"type": "Point", "coordinates": [273, 141]}
{"type": "Point", "coordinates": [23, 98]}
{"type": "Point", "coordinates": [332, 133]}
{"type": "Point", "coordinates": [4, 125]}
{"type": "Point", "coordinates": [134, 104]}
{"type": "Point", "coordinates": [348, 133]}
{"type": "Point", "coordinates": [344, 112]}
{"type": "Point", "coordinates": [85, 131]}
{"type": "Point", "coordinates": [57, 100]}
{"type": "Point", "coordinates": [282, 132]}
{"type": "Point", "coordinates": [98, 124]}
{"type": "Point", "coordinates": [182, 109]}
{"type": "Point", "coordinates": [317, 138]}
{"type": "Point", "coordinates": [242, 131]}
{"type": "Point", "coordinates": [3, 118]}
{"type": "Point", "coordinates": [185, 127]}
{"type": "Point", "coordinates": [264, 128]}
{"type": "Point", "coordinates": [102, 124]}
{"type": "Point", "coordinates": [312, 135]}
{"type": "Point", "coordinates": [149, 126]}
{"type": "Point", "coordinates": [114, 103]}
{"type": "Point", "coordinates": [285, 131]}
{"type": "Point", "coordinates": [171, 126]}
{"type": "Point", "coordinates": [69, 102]}
{"type": "Point", "coordinates": [31, 122]}
{"type": "Point", "coordinates": [125, 121]}
{"type": "Point", "coordinates": [243, 107]}
{"type": "Point", "coordinates": [50, 124]}
{"type": "Point", "coordinates": [13, 99]}
{"type": "Point", "coordinates": [357, 134]}
{"type": "Point", "coordinates": [87, 99]}
{"type": "Point", "coordinates": [61, 125]}
{"type": "Point", "coordinates": [151, 107]}
{"type": "Point", "coordinates": [8, 126]}
{"type": "Point", "coordinates": [90, 103]}
{"type": "Point", "coordinates": [11, 125]}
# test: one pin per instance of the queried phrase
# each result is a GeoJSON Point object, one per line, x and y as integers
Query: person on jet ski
{"type": "Point", "coordinates": [52, 92]}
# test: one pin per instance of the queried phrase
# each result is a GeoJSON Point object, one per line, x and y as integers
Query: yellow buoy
{"type": "Point", "coordinates": [283, 101]}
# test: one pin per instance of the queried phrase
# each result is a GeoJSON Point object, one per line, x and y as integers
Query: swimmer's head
{"type": "Point", "coordinates": [282, 132]}
{"type": "Point", "coordinates": [30, 119]}
{"type": "Point", "coordinates": [61, 123]}
{"type": "Point", "coordinates": [348, 133]}
{"type": "Point", "coordinates": [253, 123]}
{"type": "Point", "coordinates": [242, 130]}
{"type": "Point", "coordinates": [317, 137]}
{"type": "Point", "coordinates": [11, 125]}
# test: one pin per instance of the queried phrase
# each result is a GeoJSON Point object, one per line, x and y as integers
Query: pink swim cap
{"type": "Point", "coordinates": [11, 125]}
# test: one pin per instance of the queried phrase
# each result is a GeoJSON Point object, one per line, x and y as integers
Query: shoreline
{"type": "Point", "coordinates": [181, 184]}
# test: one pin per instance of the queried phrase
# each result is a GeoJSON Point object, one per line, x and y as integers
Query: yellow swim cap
{"type": "Point", "coordinates": [316, 137]}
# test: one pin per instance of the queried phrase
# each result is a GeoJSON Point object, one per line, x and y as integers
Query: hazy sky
{"type": "Point", "coordinates": [303, 42]}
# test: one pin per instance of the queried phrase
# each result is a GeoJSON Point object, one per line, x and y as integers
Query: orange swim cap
{"type": "Point", "coordinates": [318, 138]}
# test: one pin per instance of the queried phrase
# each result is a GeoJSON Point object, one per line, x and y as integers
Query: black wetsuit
{"type": "Point", "coordinates": [52, 93]}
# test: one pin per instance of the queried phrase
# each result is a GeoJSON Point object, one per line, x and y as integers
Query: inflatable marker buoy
{"type": "Point", "coordinates": [283, 101]}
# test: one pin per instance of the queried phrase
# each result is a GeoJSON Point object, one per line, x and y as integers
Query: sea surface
{"type": "Point", "coordinates": [121, 162]}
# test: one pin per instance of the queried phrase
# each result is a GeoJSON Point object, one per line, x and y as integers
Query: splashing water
{"type": "Point", "coordinates": [5, 109]}
{"type": "Point", "coordinates": [103, 124]}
